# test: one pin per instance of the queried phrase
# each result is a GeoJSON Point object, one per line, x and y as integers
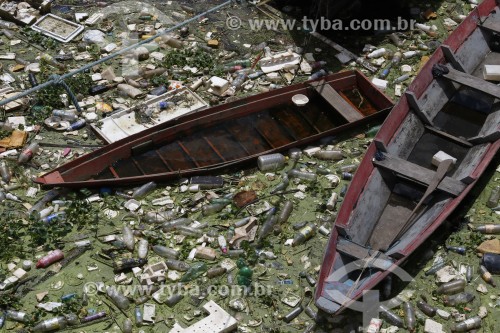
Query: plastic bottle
{"type": "Point", "coordinates": [118, 299]}
{"type": "Point", "coordinates": [50, 60]}
{"type": "Point", "coordinates": [138, 316]}
{"type": "Point", "coordinates": [215, 272]}
{"type": "Point", "coordinates": [282, 185]}
{"type": "Point", "coordinates": [211, 209]}
{"type": "Point", "coordinates": [426, 308]}
{"type": "Point", "coordinates": [410, 319]}
{"type": "Point", "coordinates": [50, 258]}
{"type": "Point", "coordinates": [346, 175]}
{"type": "Point", "coordinates": [93, 317]}
{"type": "Point", "coordinates": [468, 273]}
{"type": "Point", "coordinates": [128, 238]}
{"type": "Point", "coordinates": [52, 324]}
{"type": "Point", "coordinates": [285, 212]}
{"type": "Point", "coordinates": [173, 300]}
{"type": "Point", "coordinates": [377, 53]}
{"type": "Point", "coordinates": [189, 231]}
{"type": "Point", "coordinates": [309, 176]}
{"type": "Point", "coordinates": [144, 190]}
{"type": "Point", "coordinates": [28, 152]}
{"type": "Point", "coordinates": [127, 263]}
{"type": "Point", "coordinates": [54, 217]}
{"type": "Point", "coordinates": [489, 229]}
{"type": "Point", "coordinates": [436, 267]}
{"type": "Point", "coordinates": [401, 78]}
{"type": "Point", "coordinates": [318, 64]}
{"type": "Point", "coordinates": [486, 276]}
{"type": "Point", "coordinates": [195, 271]}
{"type": "Point", "coordinates": [390, 316]}
{"type": "Point", "coordinates": [76, 125]}
{"type": "Point", "coordinates": [451, 287]}
{"type": "Point", "coordinates": [245, 273]}
{"type": "Point", "coordinates": [293, 314]}
{"type": "Point", "coordinates": [222, 243]}
{"type": "Point", "coordinates": [3, 318]}
{"type": "Point", "coordinates": [177, 265]}
{"type": "Point", "coordinates": [159, 217]}
{"type": "Point", "coordinates": [457, 299]}
{"type": "Point", "coordinates": [271, 162]}
{"type": "Point", "coordinates": [493, 199]}
{"type": "Point", "coordinates": [5, 172]}
{"type": "Point", "coordinates": [304, 234]}
{"type": "Point", "coordinates": [411, 54]}
{"type": "Point", "coordinates": [492, 262]}
{"type": "Point", "coordinates": [46, 212]}
{"type": "Point", "coordinates": [467, 325]}
{"type": "Point", "coordinates": [19, 316]}
{"type": "Point", "coordinates": [99, 89]}
{"type": "Point", "coordinates": [335, 155]}
{"type": "Point", "coordinates": [142, 249]}
{"type": "Point", "coordinates": [318, 75]}
{"type": "Point", "coordinates": [332, 201]}
{"type": "Point", "coordinates": [269, 224]}
{"type": "Point", "coordinates": [66, 115]}
{"type": "Point", "coordinates": [127, 326]}
{"type": "Point", "coordinates": [171, 225]}
{"type": "Point", "coordinates": [165, 252]}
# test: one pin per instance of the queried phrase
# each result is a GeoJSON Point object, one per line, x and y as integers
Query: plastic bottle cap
{"type": "Point", "coordinates": [300, 99]}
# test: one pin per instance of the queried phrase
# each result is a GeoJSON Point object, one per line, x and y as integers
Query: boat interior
{"type": "Point", "coordinates": [459, 114]}
{"type": "Point", "coordinates": [253, 129]}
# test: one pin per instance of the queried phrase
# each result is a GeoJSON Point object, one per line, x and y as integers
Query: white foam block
{"type": "Point", "coordinates": [381, 84]}
{"type": "Point", "coordinates": [491, 72]}
{"type": "Point", "coordinates": [441, 156]}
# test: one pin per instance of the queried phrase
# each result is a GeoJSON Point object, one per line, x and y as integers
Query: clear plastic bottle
{"type": "Point", "coordinates": [144, 190]}
{"type": "Point", "coordinates": [492, 262]}
{"type": "Point", "coordinates": [165, 252]}
{"type": "Point", "coordinates": [171, 225]}
{"type": "Point", "coordinates": [332, 201]}
{"type": "Point", "coordinates": [457, 299]}
{"type": "Point", "coordinates": [211, 209]}
{"type": "Point", "coordinates": [5, 172]}
{"type": "Point", "coordinates": [195, 271]}
{"type": "Point", "coordinates": [271, 162]}
{"type": "Point", "coordinates": [52, 324]}
{"type": "Point", "coordinates": [142, 248]}
{"type": "Point", "coordinates": [118, 299]}
{"type": "Point", "coordinates": [426, 308]}
{"type": "Point", "coordinates": [28, 153]}
{"type": "Point", "coordinates": [127, 326]}
{"type": "Point", "coordinates": [159, 217]}
{"type": "Point", "coordinates": [467, 325]}
{"type": "Point", "coordinates": [215, 272]}
{"type": "Point", "coordinates": [19, 316]}
{"type": "Point", "coordinates": [173, 300]}
{"type": "Point", "coordinates": [309, 176]}
{"type": "Point", "coordinates": [128, 238]}
{"type": "Point", "coordinates": [452, 287]}
{"type": "Point", "coordinates": [188, 231]}
{"type": "Point", "coordinates": [490, 229]}
{"type": "Point", "coordinates": [138, 316]}
{"type": "Point", "coordinates": [269, 224]}
{"type": "Point", "coordinates": [335, 155]}
{"type": "Point", "coordinates": [177, 265]}
{"type": "Point", "coordinates": [285, 212]}
{"type": "Point", "coordinates": [391, 317]}
{"type": "Point", "coordinates": [410, 319]}
{"type": "Point", "coordinates": [318, 75]}
{"type": "Point", "coordinates": [486, 276]}
{"type": "Point", "coordinates": [66, 115]}
{"type": "Point", "coordinates": [222, 243]}
{"type": "Point", "coordinates": [76, 125]}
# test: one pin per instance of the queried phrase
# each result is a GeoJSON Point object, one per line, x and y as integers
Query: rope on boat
{"type": "Point", "coordinates": [59, 79]}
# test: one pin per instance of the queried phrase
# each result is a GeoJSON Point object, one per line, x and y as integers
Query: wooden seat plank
{"type": "Point", "coordinates": [419, 174]}
{"type": "Point", "coordinates": [374, 258]}
{"type": "Point", "coordinates": [473, 82]}
{"type": "Point", "coordinates": [333, 98]}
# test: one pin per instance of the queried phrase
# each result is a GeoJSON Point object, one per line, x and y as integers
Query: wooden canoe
{"type": "Point", "coordinates": [455, 111]}
{"type": "Point", "coordinates": [229, 134]}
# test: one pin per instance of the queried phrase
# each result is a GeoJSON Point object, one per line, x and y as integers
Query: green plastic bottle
{"type": "Point", "coordinates": [194, 272]}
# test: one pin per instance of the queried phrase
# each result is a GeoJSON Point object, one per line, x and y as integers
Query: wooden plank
{"type": "Point", "coordinates": [449, 136]}
{"type": "Point", "coordinates": [491, 25]}
{"type": "Point", "coordinates": [337, 102]}
{"type": "Point", "coordinates": [416, 107]}
{"type": "Point", "coordinates": [450, 56]}
{"type": "Point", "coordinates": [419, 174]}
{"type": "Point", "coordinates": [374, 258]}
{"type": "Point", "coordinates": [473, 82]}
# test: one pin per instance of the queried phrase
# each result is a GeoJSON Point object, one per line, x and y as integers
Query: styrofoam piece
{"type": "Point", "coordinates": [279, 61]}
{"type": "Point", "coordinates": [149, 312]}
{"type": "Point", "coordinates": [379, 83]}
{"type": "Point", "coordinates": [58, 28]}
{"type": "Point", "coordinates": [491, 72]}
{"type": "Point", "coordinates": [123, 124]}
{"type": "Point", "coordinates": [219, 321]}
{"type": "Point", "coordinates": [441, 156]}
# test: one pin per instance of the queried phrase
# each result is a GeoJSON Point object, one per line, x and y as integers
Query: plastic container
{"type": "Point", "coordinates": [452, 287]}
{"type": "Point", "coordinates": [271, 162]}
{"type": "Point", "coordinates": [50, 258]}
{"type": "Point", "coordinates": [309, 176]}
{"type": "Point", "coordinates": [118, 299]}
{"type": "Point", "coordinates": [165, 252]}
{"type": "Point", "coordinates": [28, 153]}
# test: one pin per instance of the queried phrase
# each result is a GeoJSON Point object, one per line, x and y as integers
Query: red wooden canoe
{"type": "Point", "coordinates": [229, 134]}
{"type": "Point", "coordinates": [398, 197]}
